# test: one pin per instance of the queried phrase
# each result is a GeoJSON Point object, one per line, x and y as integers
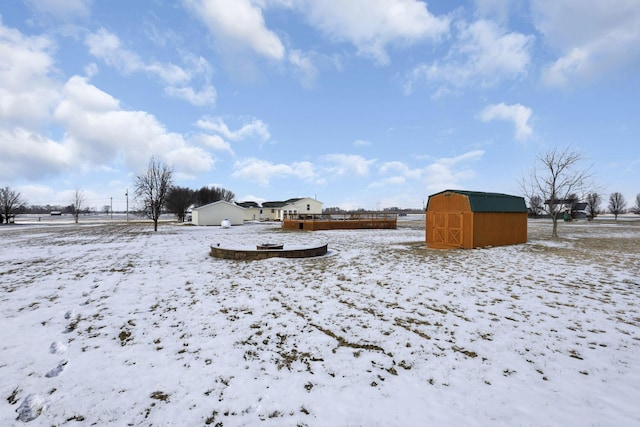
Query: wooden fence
{"type": "Point", "coordinates": [345, 221]}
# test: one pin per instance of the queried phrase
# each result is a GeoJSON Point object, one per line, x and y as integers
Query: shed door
{"type": "Point", "coordinates": [447, 229]}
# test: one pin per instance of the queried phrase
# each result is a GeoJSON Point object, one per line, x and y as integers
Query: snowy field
{"type": "Point", "coordinates": [113, 324]}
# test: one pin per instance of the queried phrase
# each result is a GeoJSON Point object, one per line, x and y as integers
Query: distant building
{"type": "Point", "coordinates": [237, 213]}
{"type": "Point", "coordinates": [579, 210]}
{"type": "Point", "coordinates": [275, 211]}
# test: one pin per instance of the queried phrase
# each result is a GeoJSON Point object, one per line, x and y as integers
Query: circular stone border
{"type": "Point", "coordinates": [256, 254]}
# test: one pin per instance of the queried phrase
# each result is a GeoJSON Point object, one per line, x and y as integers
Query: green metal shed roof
{"type": "Point", "coordinates": [491, 202]}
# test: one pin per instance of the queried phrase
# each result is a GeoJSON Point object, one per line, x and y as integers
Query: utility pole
{"type": "Point", "coordinates": [127, 194]}
{"type": "Point", "coordinates": [111, 209]}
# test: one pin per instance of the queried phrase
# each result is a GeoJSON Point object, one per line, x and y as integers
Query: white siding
{"type": "Point", "coordinates": [253, 214]}
{"type": "Point", "coordinates": [303, 206]}
{"type": "Point", "coordinates": [272, 213]}
{"type": "Point", "coordinates": [214, 213]}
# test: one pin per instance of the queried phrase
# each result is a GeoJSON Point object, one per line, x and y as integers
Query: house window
{"type": "Point", "coordinates": [308, 207]}
{"type": "Point", "coordinates": [273, 210]}
{"type": "Point", "coordinates": [260, 211]}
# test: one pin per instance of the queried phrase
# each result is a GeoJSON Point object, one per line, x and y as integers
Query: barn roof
{"type": "Point", "coordinates": [491, 202]}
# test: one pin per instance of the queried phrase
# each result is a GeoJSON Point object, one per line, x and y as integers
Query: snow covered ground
{"type": "Point", "coordinates": [113, 324]}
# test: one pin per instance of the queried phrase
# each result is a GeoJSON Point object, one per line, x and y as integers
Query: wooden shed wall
{"type": "Point", "coordinates": [499, 228]}
{"type": "Point", "coordinates": [449, 221]}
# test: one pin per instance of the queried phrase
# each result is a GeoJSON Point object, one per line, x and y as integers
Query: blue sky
{"type": "Point", "coordinates": [358, 103]}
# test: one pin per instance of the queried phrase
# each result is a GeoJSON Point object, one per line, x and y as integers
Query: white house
{"type": "Point", "coordinates": [237, 213]}
{"type": "Point", "coordinates": [301, 206]}
{"type": "Point", "coordinates": [214, 213]}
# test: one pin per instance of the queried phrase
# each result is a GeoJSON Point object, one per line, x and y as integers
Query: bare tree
{"type": "Point", "coordinates": [636, 208]}
{"type": "Point", "coordinates": [178, 201]}
{"type": "Point", "coordinates": [617, 204]}
{"type": "Point", "coordinates": [593, 204]}
{"type": "Point", "coordinates": [77, 202]}
{"type": "Point", "coordinates": [10, 200]}
{"type": "Point", "coordinates": [556, 175]}
{"type": "Point", "coordinates": [207, 195]}
{"type": "Point", "coordinates": [151, 188]}
{"type": "Point", "coordinates": [536, 205]}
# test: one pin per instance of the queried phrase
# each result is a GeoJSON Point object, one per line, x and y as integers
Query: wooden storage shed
{"type": "Point", "coordinates": [473, 219]}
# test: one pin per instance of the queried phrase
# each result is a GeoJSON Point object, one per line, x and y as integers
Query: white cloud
{"type": "Point", "coordinates": [254, 129]}
{"type": "Point", "coordinates": [213, 141]}
{"type": "Point", "coordinates": [437, 175]}
{"type": "Point", "coordinates": [238, 24]}
{"type": "Point", "coordinates": [108, 47]}
{"type": "Point", "coordinates": [28, 94]}
{"type": "Point", "coordinates": [207, 96]}
{"type": "Point", "coordinates": [593, 38]}
{"type": "Point", "coordinates": [361, 143]}
{"type": "Point", "coordinates": [28, 91]}
{"type": "Point", "coordinates": [91, 69]}
{"type": "Point", "coordinates": [187, 161]}
{"type": "Point", "coordinates": [518, 114]}
{"type": "Point", "coordinates": [168, 73]}
{"type": "Point", "coordinates": [304, 67]}
{"type": "Point", "coordinates": [484, 55]}
{"type": "Point", "coordinates": [494, 9]}
{"type": "Point", "coordinates": [372, 25]}
{"type": "Point", "coordinates": [400, 175]}
{"type": "Point", "coordinates": [61, 9]}
{"type": "Point", "coordinates": [262, 172]}
{"type": "Point", "coordinates": [26, 154]}
{"type": "Point", "coordinates": [347, 164]}
{"type": "Point", "coordinates": [450, 172]}
{"type": "Point", "coordinates": [400, 168]}
{"type": "Point", "coordinates": [36, 194]}
{"type": "Point", "coordinates": [98, 132]}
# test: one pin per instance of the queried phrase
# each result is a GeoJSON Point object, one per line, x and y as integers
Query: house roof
{"type": "Point", "coordinates": [248, 204]}
{"type": "Point", "coordinates": [219, 202]}
{"type": "Point", "coordinates": [490, 202]}
{"type": "Point", "coordinates": [272, 204]}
